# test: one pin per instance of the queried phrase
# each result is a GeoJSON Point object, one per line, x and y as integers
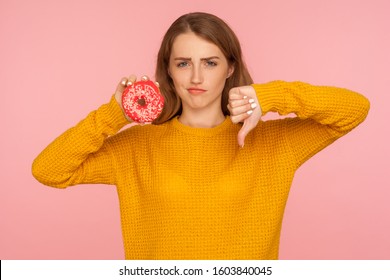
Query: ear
{"type": "Point", "coordinates": [230, 71]}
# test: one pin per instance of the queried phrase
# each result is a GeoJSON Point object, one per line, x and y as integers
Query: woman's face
{"type": "Point", "coordinates": [199, 71]}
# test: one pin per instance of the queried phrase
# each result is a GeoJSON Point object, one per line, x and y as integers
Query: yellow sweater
{"type": "Point", "coordinates": [192, 193]}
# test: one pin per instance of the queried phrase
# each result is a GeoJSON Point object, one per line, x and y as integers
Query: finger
{"type": "Point", "coordinates": [122, 85]}
{"type": "Point", "coordinates": [238, 102]}
{"type": "Point", "coordinates": [123, 81]}
{"type": "Point", "coordinates": [242, 109]}
{"type": "Point", "coordinates": [241, 93]}
{"type": "Point", "coordinates": [249, 124]}
{"type": "Point", "coordinates": [131, 80]}
{"type": "Point", "coordinates": [145, 78]}
{"type": "Point", "coordinates": [235, 94]}
{"type": "Point", "coordinates": [241, 117]}
{"type": "Point", "coordinates": [245, 129]}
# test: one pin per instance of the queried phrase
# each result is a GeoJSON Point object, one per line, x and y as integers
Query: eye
{"type": "Point", "coordinates": [183, 64]}
{"type": "Point", "coordinates": [211, 63]}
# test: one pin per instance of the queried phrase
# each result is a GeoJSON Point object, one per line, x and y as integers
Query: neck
{"type": "Point", "coordinates": [203, 119]}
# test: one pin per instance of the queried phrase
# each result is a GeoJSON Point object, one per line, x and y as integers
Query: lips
{"type": "Point", "coordinates": [195, 90]}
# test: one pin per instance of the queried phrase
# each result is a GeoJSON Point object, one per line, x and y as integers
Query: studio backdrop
{"type": "Point", "coordinates": [59, 60]}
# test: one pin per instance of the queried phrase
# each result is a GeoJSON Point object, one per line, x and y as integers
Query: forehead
{"type": "Point", "coordinates": [191, 45]}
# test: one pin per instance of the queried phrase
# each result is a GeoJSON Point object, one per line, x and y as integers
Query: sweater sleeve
{"type": "Point", "coordinates": [324, 113]}
{"type": "Point", "coordinates": [81, 155]}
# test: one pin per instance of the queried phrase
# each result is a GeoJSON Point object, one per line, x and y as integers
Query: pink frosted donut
{"type": "Point", "coordinates": [142, 101]}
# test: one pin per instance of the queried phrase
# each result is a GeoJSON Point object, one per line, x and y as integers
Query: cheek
{"type": "Point", "coordinates": [219, 79]}
{"type": "Point", "coordinates": [177, 83]}
{"type": "Point", "coordinates": [178, 78]}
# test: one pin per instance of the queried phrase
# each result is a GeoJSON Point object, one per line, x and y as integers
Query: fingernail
{"type": "Point", "coordinates": [123, 82]}
{"type": "Point", "coordinates": [242, 146]}
{"type": "Point", "coordinates": [249, 112]}
{"type": "Point", "coordinates": [245, 97]}
{"type": "Point", "coordinates": [129, 83]}
{"type": "Point", "coordinates": [144, 78]}
{"type": "Point", "coordinates": [253, 105]}
{"type": "Point", "coordinates": [251, 100]}
{"type": "Point", "coordinates": [157, 84]}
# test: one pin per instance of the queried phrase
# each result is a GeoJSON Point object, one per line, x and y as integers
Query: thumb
{"type": "Point", "coordinates": [249, 124]}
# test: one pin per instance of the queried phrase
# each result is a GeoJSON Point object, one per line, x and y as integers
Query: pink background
{"type": "Point", "coordinates": [61, 59]}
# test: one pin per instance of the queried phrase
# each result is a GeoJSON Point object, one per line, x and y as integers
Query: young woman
{"type": "Point", "coordinates": [208, 179]}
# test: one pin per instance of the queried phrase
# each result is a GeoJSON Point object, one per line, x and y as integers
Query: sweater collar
{"type": "Point", "coordinates": [202, 132]}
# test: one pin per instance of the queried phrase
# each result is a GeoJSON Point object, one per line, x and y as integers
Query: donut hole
{"type": "Point", "coordinates": [141, 101]}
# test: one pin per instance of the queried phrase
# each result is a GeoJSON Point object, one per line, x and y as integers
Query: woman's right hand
{"type": "Point", "coordinates": [125, 82]}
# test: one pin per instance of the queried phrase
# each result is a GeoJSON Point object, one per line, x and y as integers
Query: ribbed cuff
{"type": "Point", "coordinates": [113, 115]}
{"type": "Point", "coordinates": [270, 96]}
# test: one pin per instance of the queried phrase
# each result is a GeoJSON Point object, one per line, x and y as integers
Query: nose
{"type": "Point", "coordinates": [197, 74]}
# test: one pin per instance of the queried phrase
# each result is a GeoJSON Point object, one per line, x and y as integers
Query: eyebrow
{"type": "Point", "coordinates": [189, 58]}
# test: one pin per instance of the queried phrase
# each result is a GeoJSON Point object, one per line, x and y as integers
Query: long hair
{"type": "Point", "coordinates": [214, 30]}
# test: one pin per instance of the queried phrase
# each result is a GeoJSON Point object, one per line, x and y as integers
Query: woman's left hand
{"type": "Point", "coordinates": [244, 107]}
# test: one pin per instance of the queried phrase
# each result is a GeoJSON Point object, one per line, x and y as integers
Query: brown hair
{"type": "Point", "coordinates": [213, 29]}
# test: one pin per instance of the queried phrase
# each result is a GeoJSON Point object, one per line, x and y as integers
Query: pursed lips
{"type": "Point", "coordinates": [195, 90]}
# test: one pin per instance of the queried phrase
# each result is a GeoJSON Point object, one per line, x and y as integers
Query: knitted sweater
{"type": "Point", "coordinates": [193, 193]}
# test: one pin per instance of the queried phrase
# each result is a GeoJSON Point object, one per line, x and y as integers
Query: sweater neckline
{"type": "Point", "coordinates": [196, 131]}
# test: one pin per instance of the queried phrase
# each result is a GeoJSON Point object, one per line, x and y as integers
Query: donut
{"type": "Point", "coordinates": [142, 101]}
